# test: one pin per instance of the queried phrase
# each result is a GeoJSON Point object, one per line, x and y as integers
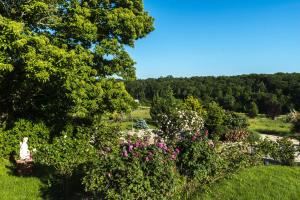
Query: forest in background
{"type": "Point", "coordinates": [273, 94]}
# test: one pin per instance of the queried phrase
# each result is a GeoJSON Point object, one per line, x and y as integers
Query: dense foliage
{"type": "Point", "coordinates": [273, 94]}
{"type": "Point", "coordinates": [282, 150]}
{"type": "Point", "coordinates": [174, 117]}
{"type": "Point", "coordinates": [57, 58]}
{"type": "Point", "coordinates": [296, 124]}
{"type": "Point", "coordinates": [38, 134]}
{"type": "Point", "coordinates": [136, 170]}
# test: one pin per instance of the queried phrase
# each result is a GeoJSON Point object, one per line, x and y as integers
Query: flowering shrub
{"type": "Point", "coordinates": [198, 158]}
{"type": "Point", "coordinates": [138, 170]}
{"type": "Point", "coordinates": [236, 135]}
{"type": "Point", "coordinates": [180, 121]}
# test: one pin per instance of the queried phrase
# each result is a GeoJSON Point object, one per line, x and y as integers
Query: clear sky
{"type": "Point", "coordinates": [220, 37]}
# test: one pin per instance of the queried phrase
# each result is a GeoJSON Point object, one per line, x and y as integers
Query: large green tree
{"type": "Point", "coordinates": [59, 58]}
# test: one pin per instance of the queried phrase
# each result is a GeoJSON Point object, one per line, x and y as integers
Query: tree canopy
{"type": "Point", "coordinates": [272, 93]}
{"type": "Point", "coordinates": [59, 58]}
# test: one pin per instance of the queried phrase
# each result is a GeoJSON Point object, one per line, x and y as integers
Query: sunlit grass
{"type": "Point", "coordinates": [265, 125]}
{"type": "Point", "coordinates": [17, 188]}
{"type": "Point", "coordinates": [258, 183]}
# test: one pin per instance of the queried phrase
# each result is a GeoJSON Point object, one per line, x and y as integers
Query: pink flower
{"type": "Point", "coordinates": [147, 159]}
{"type": "Point", "coordinates": [130, 148]}
{"type": "Point", "coordinates": [206, 133]}
{"type": "Point", "coordinates": [160, 145]}
{"type": "Point", "coordinates": [177, 150]}
{"type": "Point", "coordinates": [173, 157]}
{"type": "Point", "coordinates": [125, 154]}
{"type": "Point", "coordinates": [194, 138]}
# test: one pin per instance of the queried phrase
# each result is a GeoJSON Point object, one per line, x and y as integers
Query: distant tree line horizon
{"type": "Point", "coordinates": [273, 94]}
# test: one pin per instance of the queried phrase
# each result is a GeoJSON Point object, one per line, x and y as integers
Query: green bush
{"type": "Point", "coordinates": [193, 103]}
{"type": "Point", "coordinates": [253, 110]}
{"type": "Point", "coordinates": [253, 137]}
{"type": "Point", "coordinates": [233, 121]}
{"type": "Point", "coordinates": [214, 121]}
{"type": "Point", "coordinates": [238, 156]}
{"type": "Point", "coordinates": [282, 150]}
{"type": "Point", "coordinates": [137, 170]}
{"type": "Point", "coordinates": [38, 134]}
{"type": "Point", "coordinates": [198, 158]}
{"type": "Point", "coordinates": [296, 125]}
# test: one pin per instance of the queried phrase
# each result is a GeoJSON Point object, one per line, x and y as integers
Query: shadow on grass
{"type": "Point", "coordinates": [54, 186]}
{"type": "Point", "coordinates": [274, 132]}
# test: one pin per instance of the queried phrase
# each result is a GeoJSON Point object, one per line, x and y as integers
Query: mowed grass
{"type": "Point", "coordinates": [17, 188]}
{"type": "Point", "coordinates": [140, 113]}
{"type": "Point", "coordinates": [257, 183]}
{"type": "Point", "coordinates": [265, 125]}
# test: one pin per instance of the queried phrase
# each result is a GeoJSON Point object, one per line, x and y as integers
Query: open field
{"type": "Point", "coordinates": [260, 124]}
{"type": "Point", "coordinates": [278, 127]}
{"type": "Point", "coordinates": [261, 183]}
{"type": "Point", "coordinates": [17, 188]}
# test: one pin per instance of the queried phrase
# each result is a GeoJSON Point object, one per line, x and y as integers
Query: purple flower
{"type": "Point", "coordinates": [147, 159]}
{"type": "Point", "coordinates": [160, 145]}
{"type": "Point", "coordinates": [177, 150]}
{"type": "Point", "coordinates": [130, 148]}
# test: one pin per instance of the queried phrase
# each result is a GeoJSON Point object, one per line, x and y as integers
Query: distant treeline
{"type": "Point", "coordinates": [272, 93]}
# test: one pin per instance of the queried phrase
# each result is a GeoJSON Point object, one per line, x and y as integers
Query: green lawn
{"type": "Point", "coordinates": [18, 188]}
{"type": "Point", "coordinates": [140, 113]}
{"type": "Point", "coordinates": [265, 125]}
{"type": "Point", "coordinates": [261, 183]}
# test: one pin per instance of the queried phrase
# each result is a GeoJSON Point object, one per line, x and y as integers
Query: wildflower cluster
{"type": "Point", "coordinates": [146, 151]}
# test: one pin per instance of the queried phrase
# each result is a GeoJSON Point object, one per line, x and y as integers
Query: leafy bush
{"type": "Point", "coordinates": [215, 119]}
{"type": "Point", "coordinates": [234, 121]}
{"type": "Point", "coordinates": [192, 103]}
{"type": "Point", "coordinates": [68, 155]}
{"type": "Point", "coordinates": [282, 150]}
{"type": "Point", "coordinates": [296, 125]}
{"type": "Point", "coordinates": [137, 170]}
{"type": "Point", "coordinates": [141, 124]}
{"type": "Point", "coordinates": [198, 158]}
{"type": "Point", "coordinates": [286, 151]}
{"type": "Point", "coordinates": [38, 134]}
{"type": "Point", "coordinates": [253, 110]}
{"type": "Point", "coordinates": [253, 137]}
{"type": "Point", "coordinates": [238, 156]}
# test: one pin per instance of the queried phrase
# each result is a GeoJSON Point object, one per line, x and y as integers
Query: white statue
{"type": "Point", "coordinates": [24, 152]}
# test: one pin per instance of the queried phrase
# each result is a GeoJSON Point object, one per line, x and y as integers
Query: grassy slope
{"type": "Point", "coordinates": [140, 113]}
{"type": "Point", "coordinates": [265, 125]}
{"type": "Point", "coordinates": [18, 188]}
{"type": "Point", "coordinates": [261, 183]}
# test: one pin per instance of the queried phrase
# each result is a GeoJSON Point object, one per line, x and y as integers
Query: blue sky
{"type": "Point", "coordinates": [220, 37]}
